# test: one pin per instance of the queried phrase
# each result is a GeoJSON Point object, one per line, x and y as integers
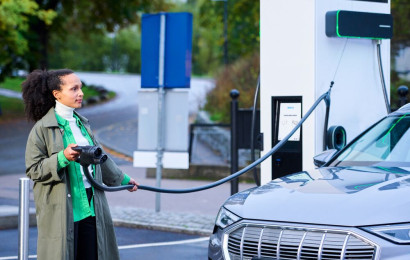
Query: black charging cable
{"type": "Point", "coordinates": [86, 162]}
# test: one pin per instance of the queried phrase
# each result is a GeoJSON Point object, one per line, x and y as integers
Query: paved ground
{"type": "Point", "coordinates": [191, 213]}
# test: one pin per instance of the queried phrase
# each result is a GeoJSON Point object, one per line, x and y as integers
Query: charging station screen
{"type": "Point", "coordinates": [289, 116]}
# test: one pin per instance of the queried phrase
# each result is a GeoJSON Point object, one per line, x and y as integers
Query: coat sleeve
{"type": "Point", "coordinates": [40, 166]}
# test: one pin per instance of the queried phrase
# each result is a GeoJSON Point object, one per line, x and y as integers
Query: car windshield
{"type": "Point", "coordinates": [387, 144]}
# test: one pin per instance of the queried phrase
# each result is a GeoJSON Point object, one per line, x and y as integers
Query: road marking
{"type": "Point", "coordinates": [15, 257]}
{"type": "Point", "coordinates": [188, 241]}
{"type": "Point", "coordinates": [180, 242]}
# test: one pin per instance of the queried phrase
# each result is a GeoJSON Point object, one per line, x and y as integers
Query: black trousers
{"type": "Point", "coordinates": [85, 237]}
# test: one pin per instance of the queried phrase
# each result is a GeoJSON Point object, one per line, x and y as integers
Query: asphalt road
{"type": "Point", "coordinates": [132, 244]}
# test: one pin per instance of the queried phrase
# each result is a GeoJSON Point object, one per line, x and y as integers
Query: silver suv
{"type": "Point", "coordinates": [356, 205]}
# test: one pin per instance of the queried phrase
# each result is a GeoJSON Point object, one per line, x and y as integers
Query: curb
{"type": "Point", "coordinates": [165, 228]}
{"type": "Point", "coordinates": [11, 222]}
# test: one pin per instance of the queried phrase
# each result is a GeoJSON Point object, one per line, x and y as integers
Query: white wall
{"type": "Point", "coordinates": [298, 59]}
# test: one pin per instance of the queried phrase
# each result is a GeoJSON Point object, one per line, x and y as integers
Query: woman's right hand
{"type": "Point", "coordinates": [70, 154]}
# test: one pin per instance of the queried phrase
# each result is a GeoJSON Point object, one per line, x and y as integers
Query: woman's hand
{"type": "Point", "coordinates": [132, 181]}
{"type": "Point", "coordinates": [70, 154]}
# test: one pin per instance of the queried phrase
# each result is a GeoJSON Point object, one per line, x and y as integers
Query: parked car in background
{"type": "Point", "coordinates": [356, 205]}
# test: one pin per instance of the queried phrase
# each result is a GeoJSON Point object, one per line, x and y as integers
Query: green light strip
{"type": "Point", "coordinates": [387, 170]}
{"type": "Point", "coordinates": [357, 187]}
{"type": "Point", "coordinates": [391, 128]}
{"type": "Point", "coordinates": [337, 24]}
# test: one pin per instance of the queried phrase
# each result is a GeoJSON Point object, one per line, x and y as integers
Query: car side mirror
{"type": "Point", "coordinates": [322, 158]}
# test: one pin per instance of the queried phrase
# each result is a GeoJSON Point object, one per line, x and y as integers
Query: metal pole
{"type": "Point", "coordinates": [23, 225]}
{"type": "Point", "coordinates": [234, 148]}
{"type": "Point", "coordinates": [161, 105]}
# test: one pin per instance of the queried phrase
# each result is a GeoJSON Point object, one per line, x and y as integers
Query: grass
{"type": "Point", "coordinates": [11, 108]}
{"type": "Point", "coordinates": [12, 84]}
{"type": "Point", "coordinates": [89, 92]}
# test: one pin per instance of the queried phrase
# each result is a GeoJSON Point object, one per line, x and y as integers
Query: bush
{"type": "Point", "coordinates": [241, 75]}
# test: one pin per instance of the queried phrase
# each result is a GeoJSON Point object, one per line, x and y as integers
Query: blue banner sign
{"type": "Point", "coordinates": [177, 50]}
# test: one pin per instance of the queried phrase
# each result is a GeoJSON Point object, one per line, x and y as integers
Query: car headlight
{"type": "Point", "coordinates": [399, 233]}
{"type": "Point", "coordinates": [225, 218]}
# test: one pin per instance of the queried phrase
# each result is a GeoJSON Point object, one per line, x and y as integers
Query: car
{"type": "Point", "coordinates": [355, 205]}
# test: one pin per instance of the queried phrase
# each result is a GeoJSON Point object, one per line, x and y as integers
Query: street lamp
{"type": "Point", "coordinates": [225, 30]}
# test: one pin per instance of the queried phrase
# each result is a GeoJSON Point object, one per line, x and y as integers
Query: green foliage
{"type": "Point", "coordinates": [75, 53]}
{"type": "Point", "coordinates": [400, 10]}
{"type": "Point", "coordinates": [243, 28]}
{"type": "Point", "coordinates": [127, 45]}
{"type": "Point", "coordinates": [14, 23]}
{"type": "Point", "coordinates": [241, 75]}
{"type": "Point", "coordinates": [116, 52]}
{"type": "Point", "coordinates": [208, 32]}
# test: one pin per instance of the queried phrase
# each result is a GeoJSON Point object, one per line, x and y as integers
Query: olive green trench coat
{"type": "Point", "coordinates": [52, 196]}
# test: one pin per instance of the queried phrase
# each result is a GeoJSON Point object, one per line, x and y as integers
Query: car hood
{"type": "Point", "coordinates": [354, 196]}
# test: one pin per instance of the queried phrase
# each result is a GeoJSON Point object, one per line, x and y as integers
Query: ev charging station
{"type": "Point", "coordinates": [299, 60]}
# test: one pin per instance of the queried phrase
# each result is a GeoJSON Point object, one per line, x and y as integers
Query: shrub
{"type": "Point", "coordinates": [241, 75]}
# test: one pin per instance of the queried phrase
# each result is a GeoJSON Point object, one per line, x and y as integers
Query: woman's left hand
{"type": "Point", "coordinates": [132, 181]}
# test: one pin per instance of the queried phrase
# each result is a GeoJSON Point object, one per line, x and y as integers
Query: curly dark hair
{"type": "Point", "coordinates": [38, 91]}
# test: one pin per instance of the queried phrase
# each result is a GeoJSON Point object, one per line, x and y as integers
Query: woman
{"type": "Point", "coordinates": [73, 219]}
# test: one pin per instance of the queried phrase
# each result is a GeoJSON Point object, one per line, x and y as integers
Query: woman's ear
{"type": "Point", "coordinates": [56, 94]}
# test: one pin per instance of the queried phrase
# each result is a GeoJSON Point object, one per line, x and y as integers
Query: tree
{"type": "Point", "coordinates": [119, 51]}
{"type": "Point", "coordinates": [14, 22]}
{"type": "Point", "coordinates": [85, 16]}
{"type": "Point", "coordinates": [243, 25]}
{"type": "Point", "coordinates": [208, 34]}
{"type": "Point", "coordinates": [400, 10]}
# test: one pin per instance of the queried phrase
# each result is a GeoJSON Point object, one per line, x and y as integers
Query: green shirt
{"type": "Point", "coordinates": [81, 208]}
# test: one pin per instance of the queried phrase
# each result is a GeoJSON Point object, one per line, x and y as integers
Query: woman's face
{"type": "Point", "coordinates": [70, 93]}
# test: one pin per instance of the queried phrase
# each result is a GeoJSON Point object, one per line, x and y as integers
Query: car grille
{"type": "Point", "coordinates": [280, 243]}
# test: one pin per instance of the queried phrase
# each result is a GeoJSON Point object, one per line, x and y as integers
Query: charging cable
{"type": "Point", "coordinates": [214, 184]}
{"type": "Point", "coordinates": [255, 101]}
{"type": "Point", "coordinates": [379, 60]}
